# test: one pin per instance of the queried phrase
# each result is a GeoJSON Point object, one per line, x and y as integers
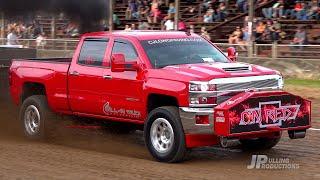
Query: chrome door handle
{"type": "Point", "coordinates": [74, 73]}
{"type": "Point", "coordinates": [107, 77]}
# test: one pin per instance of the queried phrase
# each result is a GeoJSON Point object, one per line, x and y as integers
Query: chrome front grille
{"type": "Point", "coordinates": [226, 91]}
{"type": "Point", "coordinates": [267, 83]}
{"type": "Point", "coordinates": [225, 88]}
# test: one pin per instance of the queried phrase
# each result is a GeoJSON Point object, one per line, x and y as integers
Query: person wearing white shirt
{"type": "Point", "coordinates": [169, 24]}
{"type": "Point", "coordinates": [12, 38]}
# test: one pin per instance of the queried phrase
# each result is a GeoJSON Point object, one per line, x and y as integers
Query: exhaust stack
{"type": "Point", "coordinates": [297, 134]}
{"type": "Point", "coordinates": [228, 142]}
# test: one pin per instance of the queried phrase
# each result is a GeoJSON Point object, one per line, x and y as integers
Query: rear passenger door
{"type": "Point", "coordinates": [85, 77]}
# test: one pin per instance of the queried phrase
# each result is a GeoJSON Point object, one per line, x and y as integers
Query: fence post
{"type": "Point", "coordinates": [177, 15]}
{"type": "Point", "coordinates": [255, 52]}
{"type": "Point", "coordinates": [28, 43]}
{"type": "Point", "coordinates": [250, 27]}
{"type": "Point", "coordinates": [274, 52]}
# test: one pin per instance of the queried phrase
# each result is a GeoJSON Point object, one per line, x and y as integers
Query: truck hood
{"type": "Point", "coordinates": [209, 71]}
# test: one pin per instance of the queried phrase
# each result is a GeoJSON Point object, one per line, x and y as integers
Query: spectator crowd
{"type": "Point", "coordinates": [148, 14]}
{"type": "Point", "coordinates": [18, 29]}
{"type": "Point", "coordinates": [268, 28]}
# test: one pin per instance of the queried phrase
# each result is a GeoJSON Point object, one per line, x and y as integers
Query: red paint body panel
{"type": "Point", "coordinates": [52, 75]}
{"type": "Point", "coordinates": [201, 140]}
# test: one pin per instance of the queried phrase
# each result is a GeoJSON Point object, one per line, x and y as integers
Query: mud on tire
{"type": "Point", "coordinates": [36, 117]}
{"type": "Point", "coordinates": [164, 135]}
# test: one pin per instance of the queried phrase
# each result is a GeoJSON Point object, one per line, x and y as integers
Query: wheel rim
{"type": "Point", "coordinates": [162, 135]}
{"type": "Point", "coordinates": [32, 120]}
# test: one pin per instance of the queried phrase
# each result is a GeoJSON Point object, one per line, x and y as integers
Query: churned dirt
{"type": "Point", "coordinates": [101, 154]}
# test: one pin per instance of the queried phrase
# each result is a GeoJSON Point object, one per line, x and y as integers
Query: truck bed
{"type": "Point", "coordinates": [50, 72]}
{"type": "Point", "coordinates": [49, 60]}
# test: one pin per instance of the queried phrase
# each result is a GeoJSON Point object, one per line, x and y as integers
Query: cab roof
{"type": "Point", "coordinates": [145, 34]}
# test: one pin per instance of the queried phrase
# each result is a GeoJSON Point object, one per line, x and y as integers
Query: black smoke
{"type": "Point", "coordinates": [87, 12]}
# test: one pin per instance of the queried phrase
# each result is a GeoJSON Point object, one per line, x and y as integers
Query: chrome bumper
{"type": "Point", "coordinates": [187, 116]}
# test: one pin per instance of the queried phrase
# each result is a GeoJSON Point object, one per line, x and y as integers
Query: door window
{"type": "Point", "coordinates": [126, 48]}
{"type": "Point", "coordinates": [93, 52]}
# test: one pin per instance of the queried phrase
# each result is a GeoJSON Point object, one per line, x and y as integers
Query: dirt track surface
{"type": "Point", "coordinates": [97, 154]}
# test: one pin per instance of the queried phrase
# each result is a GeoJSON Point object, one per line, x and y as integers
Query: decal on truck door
{"type": "Point", "coordinates": [120, 112]}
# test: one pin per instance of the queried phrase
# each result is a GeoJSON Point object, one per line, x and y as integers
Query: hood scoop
{"type": "Point", "coordinates": [237, 69]}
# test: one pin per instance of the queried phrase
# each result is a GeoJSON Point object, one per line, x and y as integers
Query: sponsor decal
{"type": "Point", "coordinates": [161, 41]}
{"type": "Point", "coordinates": [230, 102]}
{"type": "Point", "coordinates": [120, 112]}
{"type": "Point", "coordinates": [269, 114]}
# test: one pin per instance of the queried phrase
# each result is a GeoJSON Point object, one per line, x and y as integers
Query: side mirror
{"type": "Point", "coordinates": [232, 54]}
{"type": "Point", "coordinates": [118, 63]}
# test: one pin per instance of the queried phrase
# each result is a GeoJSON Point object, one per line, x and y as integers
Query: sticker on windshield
{"type": "Point", "coordinates": [161, 41]}
{"type": "Point", "coordinates": [207, 59]}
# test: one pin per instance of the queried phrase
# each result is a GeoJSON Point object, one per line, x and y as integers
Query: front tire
{"type": "Point", "coordinates": [36, 117]}
{"type": "Point", "coordinates": [164, 135]}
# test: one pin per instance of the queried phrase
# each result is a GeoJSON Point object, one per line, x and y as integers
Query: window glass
{"type": "Point", "coordinates": [92, 52]}
{"type": "Point", "coordinates": [126, 48]}
{"type": "Point", "coordinates": [166, 52]}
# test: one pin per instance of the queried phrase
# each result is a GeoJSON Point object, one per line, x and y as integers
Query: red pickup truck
{"type": "Point", "coordinates": [178, 86]}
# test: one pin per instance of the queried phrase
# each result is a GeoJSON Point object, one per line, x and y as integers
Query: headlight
{"type": "Point", "coordinates": [201, 87]}
{"type": "Point", "coordinates": [202, 94]}
{"type": "Point", "coordinates": [203, 101]}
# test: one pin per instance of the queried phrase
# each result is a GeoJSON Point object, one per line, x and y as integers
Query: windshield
{"type": "Point", "coordinates": [166, 52]}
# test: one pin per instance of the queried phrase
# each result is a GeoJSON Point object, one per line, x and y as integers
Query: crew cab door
{"type": "Point", "coordinates": [86, 76]}
{"type": "Point", "coordinates": [122, 94]}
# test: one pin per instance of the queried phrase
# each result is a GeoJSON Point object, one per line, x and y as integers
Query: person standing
{"type": "Point", "coordinates": [169, 24]}
{"type": "Point", "coordinates": [12, 38]}
{"type": "Point", "coordinates": [300, 38]}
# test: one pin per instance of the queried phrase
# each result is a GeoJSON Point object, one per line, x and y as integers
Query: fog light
{"type": "Point", "coordinates": [202, 120]}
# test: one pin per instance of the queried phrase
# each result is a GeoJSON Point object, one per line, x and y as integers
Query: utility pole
{"type": "Point", "coordinates": [110, 15]}
{"type": "Point", "coordinates": [250, 28]}
{"type": "Point", "coordinates": [177, 14]}
{"type": "Point", "coordinates": [2, 25]}
{"type": "Point", "coordinates": [53, 30]}
{"type": "Point", "coordinates": [53, 26]}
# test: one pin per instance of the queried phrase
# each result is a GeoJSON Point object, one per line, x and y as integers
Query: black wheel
{"type": "Point", "coordinates": [259, 143]}
{"type": "Point", "coordinates": [164, 135]}
{"type": "Point", "coordinates": [36, 117]}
